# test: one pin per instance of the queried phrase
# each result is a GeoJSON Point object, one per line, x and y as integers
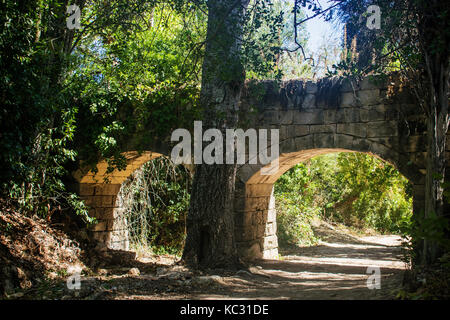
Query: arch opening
{"type": "Point", "coordinates": [100, 192]}
{"type": "Point", "coordinates": [155, 202]}
{"type": "Point", "coordinates": [256, 217]}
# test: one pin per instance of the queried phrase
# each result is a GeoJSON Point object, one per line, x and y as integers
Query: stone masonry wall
{"type": "Point", "coordinates": [313, 118]}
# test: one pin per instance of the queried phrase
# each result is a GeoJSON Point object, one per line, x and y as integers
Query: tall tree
{"type": "Point", "coordinates": [210, 224]}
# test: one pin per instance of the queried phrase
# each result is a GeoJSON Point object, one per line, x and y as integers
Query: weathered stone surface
{"type": "Point", "coordinates": [323, 140]}
{"type": "Point", "coordinates": [377, 113]}
{"type": "Point", "coordinates": [361, 145]}
{"type": "Point", "coordinates": [364, 115]}
{"type": "Point", "coordinates": [300, 130]}
{"type": "Point", "coordinates": [243, 218]}
{"type": "Point", "coordinates": [382, 129]}
{"type": "Point", "coordinates": [306, 142]}
{"type": "Point", "coordinates": [271, 242]}
{"type": "Point", "coordinates": [271, 117]}
{"type": "Point", "coordinates": [311, 87]}
{"type": "Point", "coordinates": [354, 129]}
{"type": "Point", "coordinates": [329, 116]}
{"type": "Point", "coordinates": [309, 102]}
{"type": "Point", "coordinates": [415, 144]}
{"type": "Point", "coordinates": [348, 99]}
{"type": "Point", "coordinates": [271, 215]}
{"type": "Point", "coordinates": [287, 117]}
{"type": "Point", "coordinates": [271, 254]}
{"type": "Point", "coordinates": [351, 115]}
{"type": "Point", "coordinates": [313, 117]}
{"type": "Point", "coordinates": [369, 97]}
{"type": "Point", "coordinates": [370, 83]}
{"type": "Point", "coordinates": [328, 128]}
{"type": "Point", "coordinates": [343, 141]}
{"type": "Point", "coordinates": [271, 228]}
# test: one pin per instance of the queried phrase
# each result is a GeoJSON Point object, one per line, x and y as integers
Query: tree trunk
{"type": "Point", "coordinates": [210, 238]}
{"type": "Point", "coordinates": [434, 43]}
{"type": "Point", "coordinates": [437, 126]}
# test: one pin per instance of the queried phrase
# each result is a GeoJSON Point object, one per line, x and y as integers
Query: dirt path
{"type": "Point", "coordinates": [334, 269]}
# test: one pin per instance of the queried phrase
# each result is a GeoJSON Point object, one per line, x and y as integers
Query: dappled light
{"type": "Point", "coordinates": [216, 149]}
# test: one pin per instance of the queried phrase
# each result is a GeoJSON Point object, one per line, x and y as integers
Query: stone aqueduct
{"type": "Point", "coordinates": [313, 118]}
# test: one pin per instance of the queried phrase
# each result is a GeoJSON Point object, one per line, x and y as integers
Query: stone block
{"type": "Point", "coordinates": [250, 252]}
{"type": "Point", "coordinates": [270, 242]}
{"type": "Point", "coordinates": [286, 117]}
{"type": "Point", "coordinates": [86, 189]}
{"type": "Point", "coordinates": [354, 129]}
{"type": "Point", "coordinates": [305, 142]}
{"type": "Point", "coordinates": [323, 140]}
{"type": "Point", "coordinates": [369, 97]}
{"type": "Point", "coordinates": [243, 218]}
{"type": "Point", "coordinates": [271, 254]}
{"type": "Point", "coordinates": [313, 117]}
{"type": "Point", "coordinates": [382, 129]}
{"type": "Point", "coordinates": [300, 130]}
{"type": "Point", "coordinates": [326, 128]}
{"type": "Point", "coordinates": [348, 99]}
{"type": "Point", "coordinates": [107, 189]}
{"type": "Point", "coordinates": [343, 141]}
{"type": "Point", "coordinates": [103, 225]}
{"type": "Point", "coordinates": [287, 146]}
{"type": "Point", "coordinates": [329, 116]}
{"type": "Point", "coordinates": [377, 113]}
{"type": "Point", "coordinates": [271, 228]}
{"type": "Point", "coordinates": [415, 143]}
{"type": "Point", "coordinates": [258, 190]}
{"type": "Point", "coordinates": [351, 115]}
{"type": "Point", "coordinates": [272, 215]}
{"type": "Point", "coordinates": [309, 102]}
{"type": "Point", "coordinates": [270, 117]}
{"type": "Point", "coordinates": [364, 115]}
{"type": "Point", "coordinates": [256, 203]}
{"type": "Point", "coordinates": [361, 145]}
{"type": "Point", "coordinates": [311, 87]}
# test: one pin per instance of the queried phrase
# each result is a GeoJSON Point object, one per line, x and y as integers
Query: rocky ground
{"type": "Point", "coordinates": [334, 269]}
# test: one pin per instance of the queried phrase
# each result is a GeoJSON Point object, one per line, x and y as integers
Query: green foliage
{"type": "Point", "coordinates": [139, 83]}
{"type": "Point", "coordinates": [429, 228]}
{"type": "Point", "coordinates": [295, 211]}
{"type": "Point", "coordinates": [268, 37]}
{"type": "Point", "coordinates": [36, 115]}
{"type": "Point", "coordinates": [374, 195]}
{"type": "Point", "coordinates": [156, 199]}
{"type": "Point", "coordinates": [65, 95]}
{"type": "Point", "coordinates": [294, 220]}
{"type": "Point", "coordinates": [355, 189]}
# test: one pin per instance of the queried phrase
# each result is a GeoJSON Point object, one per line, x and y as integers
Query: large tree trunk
{"type": "Point", "coordinates": [210, 238]}
{"type": "Point", "coordinates": [437, 127]}
{"type": "Point", "coordinates": [435, 48]}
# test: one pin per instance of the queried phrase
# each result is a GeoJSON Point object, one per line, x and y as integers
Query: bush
{"type": "Point", "coordinates": [294, 209]}
{"type": "Point", "coordinates": [355, 189]}
{"type": "Point", "coordinates": [156, 199]}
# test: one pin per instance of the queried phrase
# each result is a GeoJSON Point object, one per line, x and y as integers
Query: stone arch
{"type": "Point", "coordinates": [100, 192]}
{"type": "Point", "coordinates": [255, 210]}
{"type": "Point", "coordinates": [320, 117]}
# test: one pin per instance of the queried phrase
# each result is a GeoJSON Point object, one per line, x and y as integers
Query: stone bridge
{"type": "Point", "coordinates": [314, 118]}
